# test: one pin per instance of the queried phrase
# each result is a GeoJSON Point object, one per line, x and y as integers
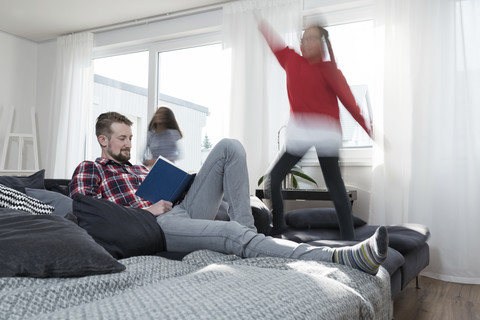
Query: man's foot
{"type": "Point", "coordinates": [367, 255]}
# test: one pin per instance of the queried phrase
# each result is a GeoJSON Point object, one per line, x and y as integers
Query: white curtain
{"type": "Point", "coordinates": [72, 100]}
{"type": "Point", "coordinates": [427, 164]}
{"type": "Point", "coordinates": [255, 114]}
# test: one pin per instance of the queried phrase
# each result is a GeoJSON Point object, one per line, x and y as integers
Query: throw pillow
{"type": "Point", "coordinates": [123, 231]}
{"type": "Point", "coordinates": [57, 185]}
{"type": "Point", "coordinates": [13, 199]}
{"type": "Point", "coordinates": [316, 218]}
{"type": "Point", "coordinates": [61, 203]}
{"type": "Point", "coordinates": [19, 183]}
{"type": "Point", "coordinates": [49, 246]}
{"type": "Point", "coordinates": [261, 214]}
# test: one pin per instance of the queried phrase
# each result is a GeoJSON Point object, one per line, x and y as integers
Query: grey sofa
{"type": "Point", "coordinates": [408, 255]}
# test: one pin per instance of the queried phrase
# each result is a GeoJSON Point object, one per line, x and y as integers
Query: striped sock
{"type": "Point", "coordinates": [367, 255]}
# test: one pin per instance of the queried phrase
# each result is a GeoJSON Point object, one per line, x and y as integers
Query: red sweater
{"type": "Point", "coordinates": [314, 88]}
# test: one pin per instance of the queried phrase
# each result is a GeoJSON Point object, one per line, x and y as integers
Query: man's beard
{"type": "Point", "coordinates": [120, 158]}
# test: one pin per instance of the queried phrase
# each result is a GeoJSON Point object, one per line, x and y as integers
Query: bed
{"type": "Point", "coordinates": [204, 285]}
{"type": "Point", "coordinates": [64, 266]}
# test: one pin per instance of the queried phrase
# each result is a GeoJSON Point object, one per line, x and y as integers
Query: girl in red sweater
{"type": "Point", "coordinates": [313, 86]}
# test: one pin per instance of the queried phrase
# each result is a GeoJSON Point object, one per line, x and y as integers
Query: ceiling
{"type": "Point", "coordinates": [41, 20]}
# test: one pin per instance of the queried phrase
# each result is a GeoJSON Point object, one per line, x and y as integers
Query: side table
{"type": "Point", "coordinates": [308, 194]}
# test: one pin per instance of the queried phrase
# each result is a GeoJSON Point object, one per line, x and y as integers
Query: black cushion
{"type": "Point", "coordinates": [123, 231]}
{"type": "Point", "coordinates": [407, 237]}
{"type": "Point", "coordinates": [261, 215]}
{"type": "Point", "coordinates": [57, 185]}
{"type": "Point", "coordinates": [316, 218]}
{"type": "Point", "coordinates": [394, 259]}
{"type": "Point", "coordinates": [403, 238]}
{"type": "Point", "coordinates": [19, 183]}
{"type": "Point", "coordinates": [49, 246]}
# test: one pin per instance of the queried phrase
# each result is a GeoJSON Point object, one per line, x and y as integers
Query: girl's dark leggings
{"type": "Point", "coordinates": [335, 185]}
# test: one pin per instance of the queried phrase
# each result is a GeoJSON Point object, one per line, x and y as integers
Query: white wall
{"type": "Point", "coordinates": [45, 77]}
{"type": "Point", "coordinates": [26, 75]}
{"type": "Point", "coordinates": [18, 79]}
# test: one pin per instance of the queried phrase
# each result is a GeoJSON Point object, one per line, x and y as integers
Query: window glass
{"type": "Point", "coordinates": [194, 83]}
{"type": "Point", "coordinates": [352, 45]}
{"type": "Point", "coordinates": [120, 84]}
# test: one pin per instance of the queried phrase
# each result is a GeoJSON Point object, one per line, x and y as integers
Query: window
{"type": "Point", "coordinates": [191, 78]}
{"type": "Point", "coordinates": [193, 83]}
{"type": "Point", "coordinates": [120, 84]}
{"type": "Point", "coordinates": [352, 45]}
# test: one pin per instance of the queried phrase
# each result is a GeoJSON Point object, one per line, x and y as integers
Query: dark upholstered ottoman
{"type": "Point", "coordinates": [408, 249]}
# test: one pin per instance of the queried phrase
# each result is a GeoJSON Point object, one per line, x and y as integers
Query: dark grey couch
{"type": "Point", "coordinates": [408, 248]}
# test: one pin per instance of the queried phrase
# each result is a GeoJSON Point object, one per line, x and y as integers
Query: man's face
{"type": "Point", "coordinates": [118, 146]}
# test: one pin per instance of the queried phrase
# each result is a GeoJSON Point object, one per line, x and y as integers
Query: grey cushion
{"type": "Point", "coordinates": [13, 199]}
{"type": "Point", "coordinates": [60, 202]}
{"type": "Point", "coordinates": [19, 183]}
{"type": "Point", "coordinates": [123, 231]}
{"type": "Point", "coordinates": [316, 218]}
{"type": "Point", "coordinates": [49, 246]}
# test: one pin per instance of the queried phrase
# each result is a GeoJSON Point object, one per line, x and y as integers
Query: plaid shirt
{"type": "Point", "coordinates": [109, 180]}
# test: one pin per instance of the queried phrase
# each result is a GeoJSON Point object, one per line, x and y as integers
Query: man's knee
{"type": "Point", "coordinates": [232, 146]}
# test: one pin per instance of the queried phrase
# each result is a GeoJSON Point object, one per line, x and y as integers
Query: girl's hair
{"type": "Point", "coordinates": [170, 121]}
{"type": "Point", "coordinates": [324, 33]}
{"type": "Point", "coordinates": [105, 120]}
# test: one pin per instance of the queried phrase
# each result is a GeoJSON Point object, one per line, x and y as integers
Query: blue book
{"type": "Point", "coordinates": [165, 181]}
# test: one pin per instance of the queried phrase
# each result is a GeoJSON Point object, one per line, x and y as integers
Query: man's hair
{"type": "Point", "coordinates": [105, 120]}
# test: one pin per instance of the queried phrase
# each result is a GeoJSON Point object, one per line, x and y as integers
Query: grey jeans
{"type": "Point", "coordinates": [191, 226]}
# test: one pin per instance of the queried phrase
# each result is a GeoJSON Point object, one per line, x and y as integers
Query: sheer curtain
{"type": "Point", "coordinates": [427, 165]}
{"type": "Point", "coordinates": [72, 99]}
{"type": "Point", "coordinates": [259, 103]}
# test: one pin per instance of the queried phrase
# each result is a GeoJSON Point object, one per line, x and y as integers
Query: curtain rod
{"type": "Point", "coordinates": [153, 19]}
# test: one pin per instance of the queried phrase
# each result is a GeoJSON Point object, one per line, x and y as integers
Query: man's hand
{"type": "Point", "coordinates": [149, 163]}
{"type": "Point", "coordinates": [160, 207]}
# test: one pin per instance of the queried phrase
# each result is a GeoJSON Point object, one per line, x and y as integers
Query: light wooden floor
{"type": "Point", "coordinates": [438, 300]}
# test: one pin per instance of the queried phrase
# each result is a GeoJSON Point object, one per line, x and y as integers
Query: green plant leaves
{"type": "Point", "coordinates": [295, 172]}
{"type": "Point", "coordinates": [303, 176]}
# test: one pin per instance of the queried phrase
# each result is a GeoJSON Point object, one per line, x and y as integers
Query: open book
{"type": "Point", "coordinates": [165, 181]}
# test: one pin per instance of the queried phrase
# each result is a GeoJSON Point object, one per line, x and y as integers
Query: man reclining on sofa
{"type": "Point", "coordinates": [190, 225]}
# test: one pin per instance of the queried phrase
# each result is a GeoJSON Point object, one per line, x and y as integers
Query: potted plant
{"type": "Point", "coordinates": [291, 181]}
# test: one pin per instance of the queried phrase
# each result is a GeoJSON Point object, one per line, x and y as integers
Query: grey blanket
{"type": "Point", "coordinates": [205, 285]}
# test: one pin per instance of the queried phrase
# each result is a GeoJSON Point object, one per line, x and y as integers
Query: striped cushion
{"type": "Point", "coordinates": [13, 199]}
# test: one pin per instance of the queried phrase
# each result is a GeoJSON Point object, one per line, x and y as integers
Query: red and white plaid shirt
{"type": "Point", "coordinates": [109, 180]}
